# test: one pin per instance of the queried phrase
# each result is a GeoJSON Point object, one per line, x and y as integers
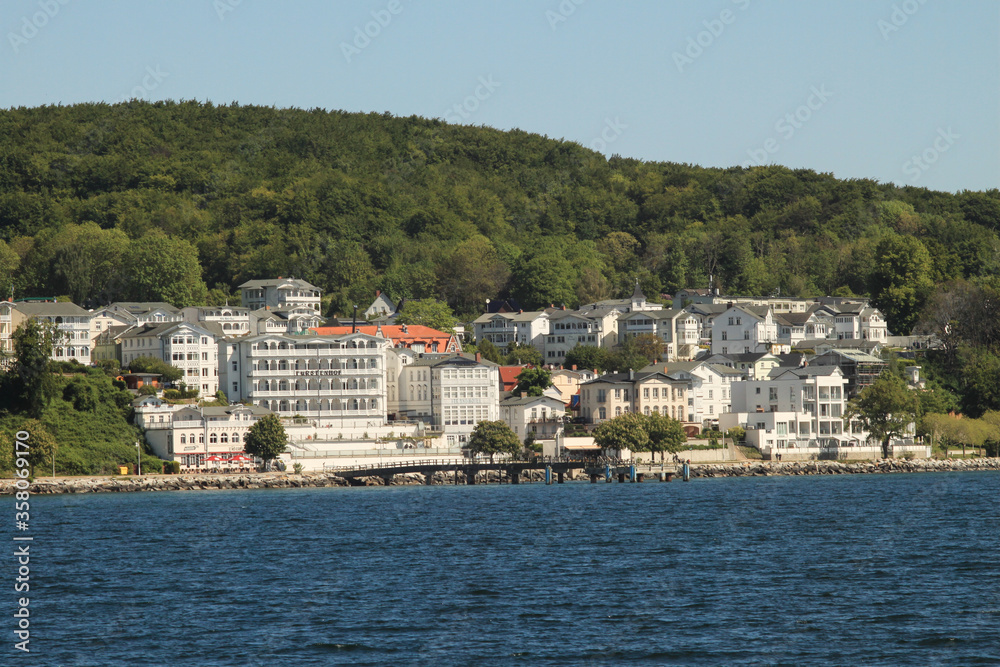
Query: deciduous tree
{"type": "Point", "coordinates": [886, 409]}
{"type": "Point", "coordinates": [266, 439]}
{"type": "Point", "coordinates": [492, 438]}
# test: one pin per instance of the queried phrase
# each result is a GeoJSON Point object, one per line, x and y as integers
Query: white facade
{"type": "Point", "coordinates": [281, 295]}
{"type": "Point", "coordinates": [567, 329]}
{"type": "Point", "coordinates": [501, 329]}
{"type": "Point", "coordinates": [192, 348]}
{"type": "Point", "coordinates": [71, 321]}
{"type": "Point", "coordinates": [337, 381]}
{"type": "Point", "coordinates": [739, 330]}
{"type": "Point", "coordinates": [234, 321]}
{"type": "Point", "coordinates": [710, 389]}
{"type": "Point", "coordinates": [452, 391]}
{"type": "Point", "coordinates": [541, 417]}
{"type": "Point", "coordinates": [190, 434]}
{"type": "Point", "coordinates": [795, 408]}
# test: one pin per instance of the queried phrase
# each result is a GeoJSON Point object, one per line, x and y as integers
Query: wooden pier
{"type": "Point", "coordinates": [555, 470]}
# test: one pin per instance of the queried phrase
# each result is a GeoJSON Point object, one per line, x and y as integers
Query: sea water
{"type": "Point", "coordinates": [845, 570]}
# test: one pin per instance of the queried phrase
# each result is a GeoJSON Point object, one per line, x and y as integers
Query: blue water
{"type": "Point", "coordinates": [847, 570]}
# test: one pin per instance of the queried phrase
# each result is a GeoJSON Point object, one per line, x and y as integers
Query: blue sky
{"type": "Point", "coordinates": [899, 91]}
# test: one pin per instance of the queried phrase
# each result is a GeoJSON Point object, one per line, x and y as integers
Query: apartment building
{"type": "Point", "coordinates": [70, 320]}
{"type": "Point", "coordinates": [191, 347]}
{"type": "Point", "coordinates": [337, 381]}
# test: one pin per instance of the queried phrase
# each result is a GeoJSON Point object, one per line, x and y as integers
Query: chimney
{"type": "Point", "coordinates": [729, 304]}
{"type": "Point", "coordinates": [564, 306]}
{"type": "Point", "coordinates": [521, 311]}
{"type": "Point", "coordinates": [378, 293]}
{"type": "Point", "coordinates": [479, 357]}
{"type": "Point", "coordinates": [573, 367]}
{"type": "Point", "coordinates": [631, 374]}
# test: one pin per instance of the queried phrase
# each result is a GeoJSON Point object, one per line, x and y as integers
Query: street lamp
{"type": "Point", "coordinates": [138, 459]}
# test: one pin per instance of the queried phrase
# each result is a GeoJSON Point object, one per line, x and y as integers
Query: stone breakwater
{"type": "Point", "coordinates": [769, 468]}
{"type": "Point", "coordinates": [44, 486]}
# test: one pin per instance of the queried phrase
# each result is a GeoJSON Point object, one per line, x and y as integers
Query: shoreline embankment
{"type": "Point", "coordinates": [285, 480]}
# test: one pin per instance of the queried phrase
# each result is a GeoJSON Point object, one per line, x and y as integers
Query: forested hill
{"type": "Point", "coordinates": [185, 201]}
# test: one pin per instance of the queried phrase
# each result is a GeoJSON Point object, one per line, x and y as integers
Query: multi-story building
{"type": "Point", "coordinates": [453, 392]}
{"type": "Point", "coordinates": [709, 387]}
{"type": "Point", "coordinates": [190, 434]}
{"type": "Point", "coordinates": [281, 295]}
{"type": "Point", "coordinates": [10, 319]}
{"type": "Point", "coordinates": [645, 391]}
{"type": "Point", "coordinates": [523, 328]}
{"type": "Point", "coordinates": [233, 320]}
{"type": "Point", "coordinates": [596, 327]}
{"type": "Point", "coordinates": [70, 320]}
{"type": "Point", "coordinates": [333, 380]}
{"type": "Point", "coordinates": [191, 347]}
{"type": "Point", "coordinates": [742, 329]}
{"type": "Point", "coordinates": [793, 407]}
{"type": "Point", "coordinates": [541, 417]}
{"type": "Point", "coordinates": [678, 329]}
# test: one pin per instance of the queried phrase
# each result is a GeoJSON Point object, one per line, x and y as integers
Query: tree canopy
{"type": "Point", "coordinates": [266, 439]}
{"type": "Point", "coordinates": [492, 438]}
{"type": "Point", "coordinates": [533, 381]}
{"type": "Point", "coordinates": [171, 200]}
{"type": "Point", "coordinates": [627, 431]}
{"type": "Point", "coordinates": [885, 409]}
{"type": "Point", "coordinates": [145, 364]}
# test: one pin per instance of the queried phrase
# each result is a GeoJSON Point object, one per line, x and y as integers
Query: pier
{"type": "Point", "coordinates": [514, 471]}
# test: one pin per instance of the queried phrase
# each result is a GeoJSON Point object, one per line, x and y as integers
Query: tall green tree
{"type": "Point", "coordinates": [266, 439]}
{"type": "Point", "coordinates": [428, 312]}
{"type": "Point", "coordinates": [627, 431]}
{"type": "Point", "coordinates": [519, 355]}
{"type": "Point", "coordinates": [33, 342]}
{"type": "Point", "coordinates": [492, 438]}
{"type": "Point", "coordinates": [165, 269]}
{"type": "Point", "coordinates": [666, 434]}
{"type": "Point", "coordinates": [885, 409]}
{"type": "Point", "coordinates": [533, 381]}
{"type": "Point", "coordinates": [589, 357]}
{"type": "Point", "coordinates": [901, 281]}
{"type": "Point", "coordinates": [147, 364]}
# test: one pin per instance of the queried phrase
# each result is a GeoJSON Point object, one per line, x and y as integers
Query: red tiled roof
{"type": "Point", "coordinates": [415, 333]}
{"type": "Point", "coordinates": [508, 376]}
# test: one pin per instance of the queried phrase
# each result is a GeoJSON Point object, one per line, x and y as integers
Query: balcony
{"type": "Point", "coordinates": [318, 372]}
{"type": "Point", "coordinates": [316, 352]}
{"type": "Point", "coordinates": [314, 393]}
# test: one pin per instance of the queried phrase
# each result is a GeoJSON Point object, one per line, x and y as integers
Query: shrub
{"type": "Point", "coordinates": [171, 467]}
{"type": "Point", "coordinates": [297, 468]}
{"type": "Point", "coordinates": [147, 390]}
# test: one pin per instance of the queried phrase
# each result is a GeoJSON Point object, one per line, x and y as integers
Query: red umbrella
{"type": "Point", "coordinates": [213, 458]}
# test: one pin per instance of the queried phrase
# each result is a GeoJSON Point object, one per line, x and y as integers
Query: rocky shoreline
{"type": "Point", "coordinates": [205, 482]}
{"type": "Point", "coordinates": [787, 468]}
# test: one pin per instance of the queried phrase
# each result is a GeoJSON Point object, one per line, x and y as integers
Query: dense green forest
{"type": "Point", "coordinates": [184, 201]}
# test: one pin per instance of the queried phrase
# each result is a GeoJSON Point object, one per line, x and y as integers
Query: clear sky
{"type": "Point", "coordinates": [904, 91]}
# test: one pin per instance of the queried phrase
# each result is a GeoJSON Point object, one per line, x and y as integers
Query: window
{"type": "Point", "coordinates": [772, 393]}
{"type": "Point", "coordinates": [213, 438]}
{"type": "Point", "coordinates": [725, 335]}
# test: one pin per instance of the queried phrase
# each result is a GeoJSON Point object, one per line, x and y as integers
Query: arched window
{"type": "Point", "coordinates": [236, 437]}
{"type": "Point", "coordinates": [183, 439]}
{"type": "Point", "coordinates": [647, 410]}
{"type": "Point", "coordinates": [212, 438]}
{"type": "Point", "coordinates": [618, 411]}
{"type": "Point", "coordinates": [224, 438]}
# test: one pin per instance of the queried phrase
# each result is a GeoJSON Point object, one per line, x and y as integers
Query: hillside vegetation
{"type": "Point", "coordinates": [185, 201]}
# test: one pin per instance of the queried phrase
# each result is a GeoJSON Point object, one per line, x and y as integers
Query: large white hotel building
{"type": "Point", "coordinates": [335, 380]}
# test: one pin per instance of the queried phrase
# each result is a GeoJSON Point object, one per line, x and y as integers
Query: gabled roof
{"type": "Point", "coordinates": [141, 307]}
{"type": "Point", "coordinates": [508, 376]}
{"type": "Point", "coordinates": [528, 400]}
{"type": "Point", "coordinates": [804, 371]}
{"type": "Point", "coordinates": [400, 335]}
{"type": "Point", "coordinates": [51, 309]}
{"type": "Point", "coordinates": [793, 319]}
{"type": "Point", "coordinates": [279, 282]}
{"type": "Point", "coordinates": [452, 359]}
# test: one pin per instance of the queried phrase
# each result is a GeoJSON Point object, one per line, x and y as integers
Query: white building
{"type": "Point", "coordinates": [795, 409]}
{"type": "Point", "coordinates": [453, 392]}
{"type": "Point", "coordinates": [678, 329]}
{"type": "Point", "coordinates": [742, 329]}
{"type": "Point", "coordinates": [501, 329]}
{"type": "Point", "coordinates": [597, 327]}
{"type": "Point", "coordinates": [336, 381]}
{"type": "Point", "coordinates": [233, 320]}
{"type": "Point", "coordinates": [10, 319]}
{"type": "Point", "coordinates": [191, 347]}
{"type": "Point", "coordinates": [710, 387]}
{"type": "Point", "coordinates": [283, 295]}
{"type": "Point", "coordinates": [190, 434]}
{"type": "Point", "coordinates": [70, 320]}
{"type": "Point", "coordinates": [540, 417]}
